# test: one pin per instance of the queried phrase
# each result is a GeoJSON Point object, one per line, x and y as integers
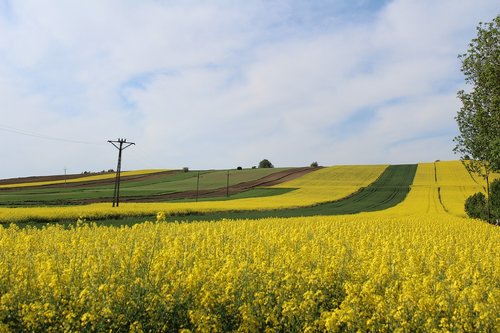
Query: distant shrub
{"type": "Point", "coordinates": [239, 168]}
{"type": "Point", "coordinates": [314, 164]}
{"type": "Point", "coordinates": [265, 163]}
{"type": "Point", "coordinates": [185, 169]}
{"type": "Point", "coordinates": [254, 167]}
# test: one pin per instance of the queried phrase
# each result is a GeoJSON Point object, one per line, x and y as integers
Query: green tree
{"type": "Point", "coordinates": [495, 200]}
{"type": "Point", "coordinates": [479, 117]}
{"type": "Point", "coordinates": [475, 206]}
{"type": "Point", "coordinates": [265, 163]}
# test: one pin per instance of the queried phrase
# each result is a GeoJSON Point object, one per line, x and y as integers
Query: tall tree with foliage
{"type": "Point", "coordinates": [479, 118]}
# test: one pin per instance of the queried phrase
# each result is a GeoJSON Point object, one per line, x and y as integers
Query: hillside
{"type": "Point", "coordinates": [141, 186]}
{"type": "Point", "coordinates": [440, 186]}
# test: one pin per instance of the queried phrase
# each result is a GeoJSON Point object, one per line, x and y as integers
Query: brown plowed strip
{"type": "Point", "coordinates": [269, 180]}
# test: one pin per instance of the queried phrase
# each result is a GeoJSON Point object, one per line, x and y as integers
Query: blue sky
{"type": "Point", "coordinates": [221, 84]}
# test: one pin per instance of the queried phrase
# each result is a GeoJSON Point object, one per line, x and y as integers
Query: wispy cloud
{"type": "Point", "coordinates": [215, 85]}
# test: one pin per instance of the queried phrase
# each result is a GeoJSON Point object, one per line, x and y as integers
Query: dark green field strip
{"type": "Point", "coordinates": [387, 191]}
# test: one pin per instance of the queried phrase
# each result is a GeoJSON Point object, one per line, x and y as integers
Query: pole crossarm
{"type": "Point", "coordinates": [119, 144]}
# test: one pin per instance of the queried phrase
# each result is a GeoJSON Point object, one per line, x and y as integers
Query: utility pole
{"type": "Point", "coordinates": [120, 144]}
{"type": "Point", "coordinates": [197, 186]}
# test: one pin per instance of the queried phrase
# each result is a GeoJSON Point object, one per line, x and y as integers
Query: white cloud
{"type": "Point", "coordinates": [214, 85]}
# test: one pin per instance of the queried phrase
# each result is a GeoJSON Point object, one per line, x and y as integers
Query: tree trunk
{"type": "Point", "coordinates": [488, 201]}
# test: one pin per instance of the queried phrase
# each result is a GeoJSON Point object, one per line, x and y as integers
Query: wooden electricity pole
{"type": "Point", "coordinates": [120, 144]}
{"type": "Point", "coordinates": [197, 186]}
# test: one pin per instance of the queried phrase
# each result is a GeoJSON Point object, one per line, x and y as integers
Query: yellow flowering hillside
{"type": "Point", "coordinates": [440, 187]}
{"type": "Point", "coordinates": [331, 183]}
{"type": "Point", "coordinates": [456, 184]}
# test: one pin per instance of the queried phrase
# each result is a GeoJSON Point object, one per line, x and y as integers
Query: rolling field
{"type": "Point", "coordinates": [417, 266]}
{"type": "Point", "coordinates": [152, 185]}
{"type": "Point", "coordinates": [388, 190]}
{"type": "Point", "coordinates": [439, 188]}
{"type": "Point", "coordinates": [453, 194]}
{"type": "Point", "coordinates": [339, 182]}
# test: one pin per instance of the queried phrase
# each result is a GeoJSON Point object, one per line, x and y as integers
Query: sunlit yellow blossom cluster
{"type": "Point", "coordinates": [343, 273]}
{"type": "Point", "coordinates": [326, 184]}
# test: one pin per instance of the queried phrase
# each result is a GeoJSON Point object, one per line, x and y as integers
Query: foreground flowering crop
{"type": "Point", "coordinates": [344, 273]}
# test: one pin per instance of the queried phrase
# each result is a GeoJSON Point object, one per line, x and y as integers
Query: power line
{"type": "Point", "coordinates": [42, 136]}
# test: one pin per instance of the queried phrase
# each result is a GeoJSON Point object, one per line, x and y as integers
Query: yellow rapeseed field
{"type": "Point", "coordinates": [423, 198]}
{"type": "Point", "coordinates": [416, 267]}
{"type": "Point", "coordinates": [326, 184]}
{"type": "Point", "coordinates": [331, 183]}
{"type": "Point", "coordinates": [456, 184]}
{"type": "Point", "coordinates": [315, 274]}
{"type": "Point", "coordinates": [439, 188]}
